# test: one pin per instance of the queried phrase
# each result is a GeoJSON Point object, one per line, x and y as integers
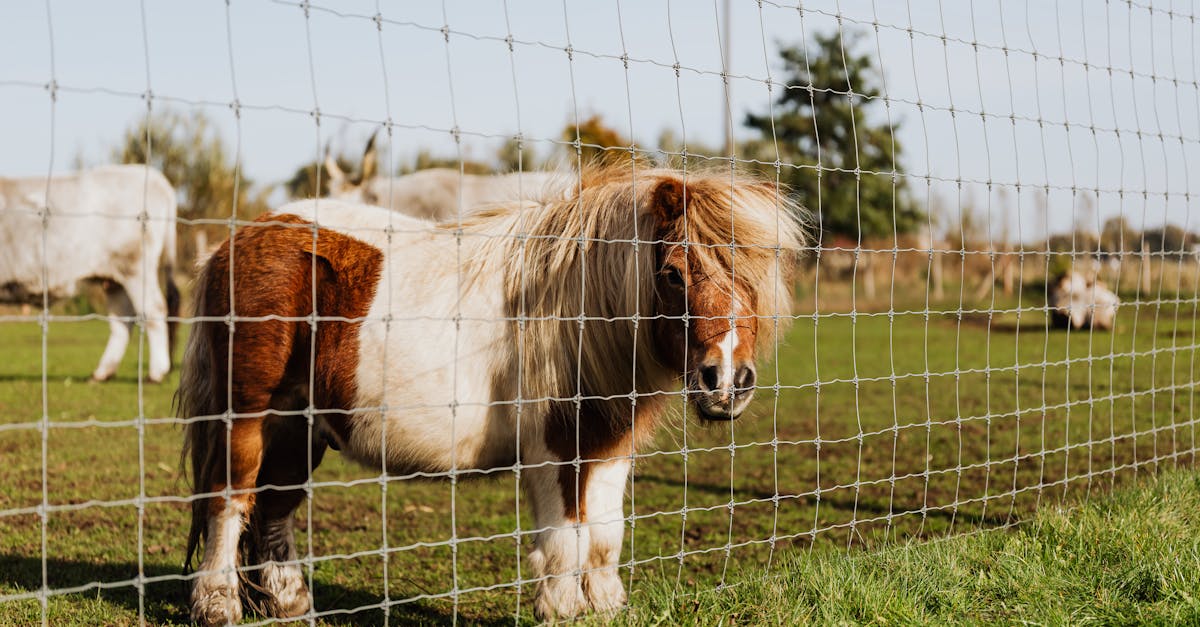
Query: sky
{"type": "Point", "coordinates": [1035, 111]}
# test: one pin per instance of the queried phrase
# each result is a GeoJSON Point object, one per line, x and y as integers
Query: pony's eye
{"type": "Point", "coordinates": [674, 277]}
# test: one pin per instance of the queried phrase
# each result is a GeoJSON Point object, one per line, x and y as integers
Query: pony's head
{"type": "Point", "coordinates": [694, 286]}
{"type": "Point", "coordinates": [724, 246]}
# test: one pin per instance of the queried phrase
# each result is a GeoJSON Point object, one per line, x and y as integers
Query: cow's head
{"type": "Point", "coordinates": [352, 187]}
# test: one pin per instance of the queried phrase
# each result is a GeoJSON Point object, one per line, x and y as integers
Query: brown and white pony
{"type": "Point", "coordinates": [419, 347]}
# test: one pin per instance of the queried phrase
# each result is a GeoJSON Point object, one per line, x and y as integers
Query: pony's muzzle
{"type": "Point", "coordinates": [722, 392]}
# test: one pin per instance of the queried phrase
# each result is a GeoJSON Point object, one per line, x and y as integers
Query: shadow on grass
{"type": "Point", "coordinates": [864, 505]}
{"type": "Point", "coordinates": [81, 379]}
{"type": "Point", "coordinates": [1033, 322]}
{"type": "Point", "coordinates": [166, 601]}
{"type": "Point", "coordinates": [1178, 333]}
{"type": "Point", "coordinates": [1012, 327]}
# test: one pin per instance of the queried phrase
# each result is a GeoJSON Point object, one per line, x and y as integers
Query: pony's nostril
{"type": "Point", "coordinates": [708, 377]}
{"type": "Point", "coordinates": [745, 378]}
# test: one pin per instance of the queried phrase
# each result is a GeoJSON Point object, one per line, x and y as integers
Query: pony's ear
{"type": "Point", "coordinates": [370, 160]}
{"type": "Point", "coordinates": [668, 200]}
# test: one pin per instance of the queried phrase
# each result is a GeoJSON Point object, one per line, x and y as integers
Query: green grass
{"type": "Point", "coordinates": [1129, 558]}
{"type": "Point", "coordinates": [928, 428]}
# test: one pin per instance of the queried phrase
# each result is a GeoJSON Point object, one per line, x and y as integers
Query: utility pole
{"type": "Point", "coordinates": [725, 66]}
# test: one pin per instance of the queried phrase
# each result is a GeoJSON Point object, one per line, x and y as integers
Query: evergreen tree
{"type": "Point", "coordinates": [831, 115]}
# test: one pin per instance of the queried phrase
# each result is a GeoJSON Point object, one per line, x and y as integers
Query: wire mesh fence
{"type": "Point", "coordinates": [519, 403]}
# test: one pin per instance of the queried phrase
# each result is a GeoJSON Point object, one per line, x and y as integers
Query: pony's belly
{"type": "Point", "coordinates": [432, 441]}
{"type": "Point", "coordinates": [438, 413]}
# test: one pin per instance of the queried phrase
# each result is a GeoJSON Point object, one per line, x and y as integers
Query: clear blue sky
{"type": "Point", "coordinates": [103, 55]}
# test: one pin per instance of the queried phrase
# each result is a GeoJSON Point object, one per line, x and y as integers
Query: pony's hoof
{"type": "Point", "coordinates": [215, 604]}
{"type": "Point", "coordinates": [605, 592]}
{"type": "Point", "coordinates": [558, 599]}
{"type": "Point", "coordinates": [285, 589]}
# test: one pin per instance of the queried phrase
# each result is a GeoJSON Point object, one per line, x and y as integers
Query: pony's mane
{"type": "Point", "coordinates": [588, 248]}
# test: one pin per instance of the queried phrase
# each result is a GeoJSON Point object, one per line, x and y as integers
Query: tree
{"type": "Point", "coordinates": [517, 155]}
{"type": "Point", "coordinates": [821, 122]}
{"type": "Point", "coordinates": [426, 160]}
{"type": "Point", "coordinates": [599, 143]}
{"type": "Point", "coordinates": [1170, 239]}
{"type": "Point", "coordinates": [1118, 236]}
{"type": "Point", "coordinates": [1075, 242]}
{"type": "Point", "coordinates": [190, 152]}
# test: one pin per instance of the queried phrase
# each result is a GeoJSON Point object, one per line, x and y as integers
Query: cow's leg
{"type": "Point", "coordinates": [561, 546]}
{"type": "Point", "coordinates": [605, 498]}
{"type": "Point", "coordinates": [215, 599]}
{"type": "Point", "coordinates": [120, 314]}
{"type": "Point", "coordinates": [146, 297]}
{"type": "Point", "coordinates": [273, 546]}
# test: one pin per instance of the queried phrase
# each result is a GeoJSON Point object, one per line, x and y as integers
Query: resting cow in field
{"type": "Point", "coordinates": [114, 223]}
{"type": "Point", "coordinates": [437, 194]}
{"type": "Point", "coordinates": [1077, 301]}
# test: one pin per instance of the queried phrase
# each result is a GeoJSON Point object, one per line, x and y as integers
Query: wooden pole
{"type": "Point", "coordinates": [935, 276]}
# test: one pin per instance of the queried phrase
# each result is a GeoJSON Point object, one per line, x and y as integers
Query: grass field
{"type": "Point", "coordinates": [885, 427]}
{"type": "Point", "coordinates": [1132, 558]}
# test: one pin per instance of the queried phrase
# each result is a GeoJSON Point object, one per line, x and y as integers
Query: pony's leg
{"type": "Point", "coordinates": [560, 548]}
{"type": "Point", "coordinates": [215, 593]}
{"type": "Point", "coordinates": [146, 296]}
{"type": "Point", "coordinates": [118, 331]}
{"type": "Point", "coordinates": [281, 578]}
{"type": "Point", "coordinates": [605, 498]}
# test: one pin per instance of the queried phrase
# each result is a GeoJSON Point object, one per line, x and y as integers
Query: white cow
{"type": "Point", "coordinates": [436, 194]}
{"type": "Point", "coordinates": [1078, 301]}
{"type": "Point", "coordinates": [113, 223]}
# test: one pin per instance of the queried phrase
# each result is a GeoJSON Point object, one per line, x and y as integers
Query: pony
{"type": "Point", "coordinates": [437, 194]}
{"type": "Point", "coordinates": [415, 347]}
{"type": "Point", "coordinates": [113, 223]}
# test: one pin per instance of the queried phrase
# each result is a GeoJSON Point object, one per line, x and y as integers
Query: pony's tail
{"type": "Point", "coordinates": [200, 401]}
{"type": "Point", "coordinates": [173, 299]}
{"type": "Point", "coordinates": [172, 292]}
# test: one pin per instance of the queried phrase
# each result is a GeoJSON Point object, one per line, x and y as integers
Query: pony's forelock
{"type": "Point", "coordinates": [745, 228]}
